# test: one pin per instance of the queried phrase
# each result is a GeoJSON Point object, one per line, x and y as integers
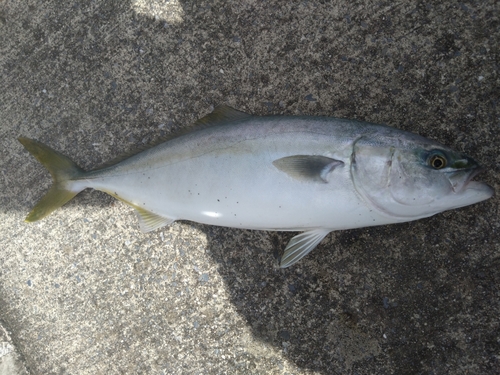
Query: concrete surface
{"type": "Point", "coordinates": [84, 292]}
{"type": "Point", "coordinates": [11, 362]}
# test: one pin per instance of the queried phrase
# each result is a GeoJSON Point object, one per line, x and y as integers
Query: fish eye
{"type": "Point", "coordinates": [437, 161]}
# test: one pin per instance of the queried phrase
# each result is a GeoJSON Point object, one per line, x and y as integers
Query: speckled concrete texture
{"type": "Point", "coordinates": [85, 292]}
{"type": "Point", "coordinates": [11, 362]}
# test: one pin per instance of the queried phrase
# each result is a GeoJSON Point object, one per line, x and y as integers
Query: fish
{"type": "Point", "coordinates": [305, 174]}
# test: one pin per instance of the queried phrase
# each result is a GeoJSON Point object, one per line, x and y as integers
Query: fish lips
{"type": "Point", "coordinates": [462, 182]}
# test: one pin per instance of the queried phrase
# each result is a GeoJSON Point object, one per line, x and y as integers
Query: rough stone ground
{"type": "Point", "coordinates": [84, 292]}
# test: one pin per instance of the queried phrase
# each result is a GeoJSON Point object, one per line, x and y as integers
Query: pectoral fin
{"type": "Point", "coordinates": [149, 221]}
{"type": "Point", "coordinates": [308, 167]}
{"type": "Point", "coordinates": [301, 245]}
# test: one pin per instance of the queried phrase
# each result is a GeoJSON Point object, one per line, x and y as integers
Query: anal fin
{"type": "Point", "coordinates": [301, 245]}
{"type": "Point", "coordinates": [149, 221]}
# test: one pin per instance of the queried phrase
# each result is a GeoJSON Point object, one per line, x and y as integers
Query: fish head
{"type": "Point", "coordinates": [410, 177]}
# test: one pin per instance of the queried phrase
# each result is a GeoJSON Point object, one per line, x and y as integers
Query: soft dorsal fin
{"type": "Point", "coordinates": [222, 114]}
{"type": "Point", "coordinates": [308, 167]}
{"type": "Point", "coordinates": [301, 245]}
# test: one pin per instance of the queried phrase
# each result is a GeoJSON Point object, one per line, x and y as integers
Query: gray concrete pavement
{"type": "Point", "coordinates": [11, 362]}
{"type": "Point", "coordinates": [85, 292]}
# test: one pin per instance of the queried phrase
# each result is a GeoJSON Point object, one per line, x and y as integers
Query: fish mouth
{"type": "Point", "coordinates": [470, 177]}
{"type": "Point", "coordinates": [467, 191]}
{"type": "Point", "coordinates": [467, 186]}
{"type": "Point", "coordinates": [461, 180]}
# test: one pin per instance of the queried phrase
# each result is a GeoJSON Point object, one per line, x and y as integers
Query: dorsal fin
{"type": "Point", "coordinates": [221, 115]}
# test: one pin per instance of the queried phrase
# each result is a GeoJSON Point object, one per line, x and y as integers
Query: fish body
{"type": "Point", "coordinates": [225, 176]}
{"type": "Point", "coordinates": [284, 173]}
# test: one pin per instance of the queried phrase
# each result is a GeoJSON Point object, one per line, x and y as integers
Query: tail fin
{"type": "Point", "coordinates": [62, 170]}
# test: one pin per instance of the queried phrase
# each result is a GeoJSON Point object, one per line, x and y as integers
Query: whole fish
{"type": "Point", "coordinates": [280, 173]}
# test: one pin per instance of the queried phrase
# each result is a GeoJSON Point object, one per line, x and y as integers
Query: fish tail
{"type": "Point", "coordinates": [62, 169]}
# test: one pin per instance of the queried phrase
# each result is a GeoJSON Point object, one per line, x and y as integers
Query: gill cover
{"type": "Point", "coordinates": [404, 179]}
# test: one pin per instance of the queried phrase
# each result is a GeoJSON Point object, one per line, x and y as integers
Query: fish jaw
{"type": "Point", "coordinates": [471, 193]}
{"type": "Point", "coordinates": [466, 191]}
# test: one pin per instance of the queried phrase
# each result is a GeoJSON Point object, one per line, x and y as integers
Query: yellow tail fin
{"type": "Point", "coordinates": [62, 169]}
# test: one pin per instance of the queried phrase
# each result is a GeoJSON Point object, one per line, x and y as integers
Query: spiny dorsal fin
{"type": "Point", "coordinates": [307, 167]}
{"type": "Point", "coordinates": [222, 114]}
